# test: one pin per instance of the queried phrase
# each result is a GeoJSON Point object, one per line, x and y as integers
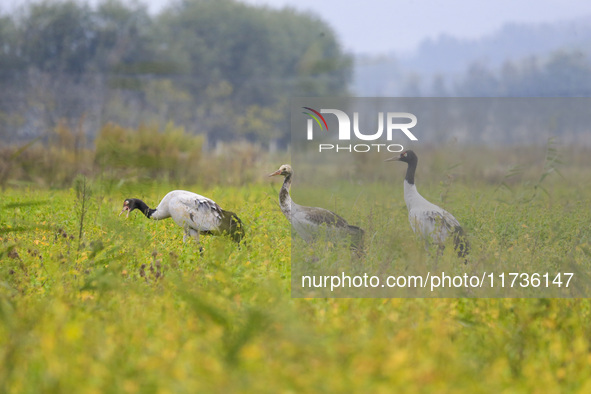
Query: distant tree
{"type": "Point", "coordinates": [509, 79]}
{"type": "Point", "coordinates": [58, 37]}
{"type": "Point", "coordinates": [479, 82]}
{"type": "Point", "coordinates": [411, 86]}
{"type": "Point", "coordinates": [563, 74]}
{"type": "Point", "coordinates": [213, 67]}
{"type": "Point", "coordinates": [567, 74]}
{"type": "Point", "coordinates": [261, 54]}
{"type": "Point", "coordinates": [126, 41]}
{"type": "Point", "coordinates": [439, 88]}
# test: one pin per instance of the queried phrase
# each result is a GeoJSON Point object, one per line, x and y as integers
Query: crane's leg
{"type": "Point", "coordinates": [195, 235]}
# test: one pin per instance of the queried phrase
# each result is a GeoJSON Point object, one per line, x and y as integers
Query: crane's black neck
{"type": "Point", "coordinates": [410, 171]}
{"type": "Point", "coordinates": [136, 203]}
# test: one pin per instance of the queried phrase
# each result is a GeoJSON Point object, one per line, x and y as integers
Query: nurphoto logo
{"type": "Point", "coordinates": [396, 122]}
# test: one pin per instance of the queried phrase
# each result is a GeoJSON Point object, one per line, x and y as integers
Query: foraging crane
{"type": "Point", "coordinates": [431, 222]}
{"type": "Point", "coordinates": [195, 213]}
{"type": "Point", "coordinates": [307, 221]}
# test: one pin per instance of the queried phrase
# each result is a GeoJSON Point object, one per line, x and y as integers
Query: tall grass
{"type": "Point", "coordinates": [119, 154]}
{"type": "Point", "coordinates": [148, 152]}
{"type": "Point", "coordinates": [137, 310]}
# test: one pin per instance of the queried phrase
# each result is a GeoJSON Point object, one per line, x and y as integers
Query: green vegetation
{"type": "Point", "coordinates": [524, 215]}
{"type": "Point", "coordinates": [167, 154]}
{"type": "Point", "coordinates": [95, 302]}
{"type": "Point", "coordinates": [123, 154]}
{"type": "Point", "coordinates": [127, 307]}
{"type": "Point", "coordinates": [221, 68]}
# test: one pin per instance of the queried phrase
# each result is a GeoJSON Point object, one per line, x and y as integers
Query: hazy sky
{"type": "Point", "coordinates": [382, 26]}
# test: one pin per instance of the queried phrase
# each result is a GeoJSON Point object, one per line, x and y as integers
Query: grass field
{"type": "Point", "coordinates": [108, 304]}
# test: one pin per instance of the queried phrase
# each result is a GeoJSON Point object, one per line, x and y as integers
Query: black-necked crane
{"type": "Point", "coordinates": [432, 223]}
{"type": "Point", "coordinates": [194, 213]}
{"type": "Point", "coordinates": [308, 221]}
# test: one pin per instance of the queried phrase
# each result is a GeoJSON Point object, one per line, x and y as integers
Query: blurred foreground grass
{"type": "Point", "coordinates": [129, 308]}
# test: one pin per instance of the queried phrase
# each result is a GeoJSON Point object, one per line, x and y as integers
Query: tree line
{"type": "Point", "coordinates": [563, 73]}
{"type": "Point", "coordinates": [220, 68]}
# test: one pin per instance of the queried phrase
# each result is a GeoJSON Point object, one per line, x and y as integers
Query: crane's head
{"type": "Point", "coordinates": [407, 156]}
{"type": "Point", "coordinates": [129, 205]}
{"type": "Point", "coordinates": [284, 170]}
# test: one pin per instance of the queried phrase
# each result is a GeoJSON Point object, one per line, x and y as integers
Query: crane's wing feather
{"type": "Point", "coordinates": [309, 221]}
{"type": "Point", "coordinates": [435, 224]}
{"type": "Point", "coordinates": [321, 216]}
{"type": "Point", "coordinates": [203, 213]}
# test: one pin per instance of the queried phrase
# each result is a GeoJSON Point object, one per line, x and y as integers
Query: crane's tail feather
{"type": "Point", "coordinates": [232, 225]}
{"type": "Point", "coordinates": [461, 244]}
{"type": "Point", "coordinates": [357, 235]}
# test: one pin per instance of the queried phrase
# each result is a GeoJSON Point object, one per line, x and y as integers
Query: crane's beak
{"type": "Point", "coordinates": [395, 158]}
{"type": "Point", "coordinates": [125, 208]}
{"type": "Point", "coordinates": [278, 172]}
